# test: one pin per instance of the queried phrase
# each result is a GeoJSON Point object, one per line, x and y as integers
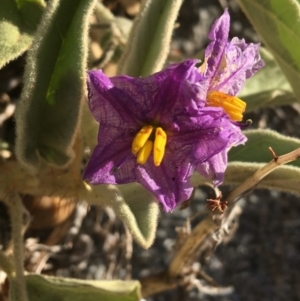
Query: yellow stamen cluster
{"type": "Point", "coordinates": [232, 105]}
{"type": "Point", "coordinates": [142, 145]}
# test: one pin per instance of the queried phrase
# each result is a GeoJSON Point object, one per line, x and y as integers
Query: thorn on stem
{"type": "Point", "coordinates": [275, 157]}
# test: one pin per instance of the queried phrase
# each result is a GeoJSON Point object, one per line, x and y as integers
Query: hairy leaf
{"type": "Point", "coordinates": [278, 23]}
{"type": "Point", "coordinates": [149, 41]}
{"type": "Point", "coordinates": [45, 288]}
{"type": "Point", "coordinates": [284, 178]}
{"type": "Point", "coordinates": [256, 148]}
{"type": "Point", "coordinates": [18, 23]}
{"type": "Point", "coordinates": [48, 114]}
{"type": "Point", "coordinates": [133, 204]}
{"type": "Point", "coordinates": [269, 87]}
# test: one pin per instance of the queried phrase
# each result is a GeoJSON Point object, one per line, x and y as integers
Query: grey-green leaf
{"type": "Point", "coordinates": [149, 42]}
{"type": "Point", "coordinates": [284, 178]}
{"type": "Point", "coordinates": [18, 23]}
{"type": "Point", "coordinates": [256, 148]}
{"type": "Point", "coordinates": [43, 288]}
{"type": "Point", "coordinates": [269, 87]}
{"type": "Point", "coordinates": [132, 203]}
{"type": "Point", "coordinates": [278, 23]}
{"type": "Point", "coordinates": [49, 111]}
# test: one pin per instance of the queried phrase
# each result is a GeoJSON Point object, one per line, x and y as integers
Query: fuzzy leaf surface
{"type": "Point", "coordinates": [269, 87]}
{"type": "Point", "coordinates": [48, 114]}
{"type": "Point", "coordinates": [256, 148]}
{"type": "Point", "coordinates": [284, 178]}
{"type": "Point", "coordinates": [45, 288]}
{"type": "Point", "coordinates": [18, 23]}
{"type": "Point", "coordinates": [278, 23]}
{"type": "Point", "coordinates": [133, 204]}
{"type": "Point", "coordinates": [149, 41]}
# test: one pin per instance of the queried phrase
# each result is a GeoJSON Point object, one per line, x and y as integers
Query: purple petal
{"type": "Point", "coordinates": [123, 101]}
{"type": "Point", "coordinates": [241, 61]}
{"type": "Point", "coordinates": [183, 90]}
{"type": "Point", "coordinates": [214, 168]}
{"type": "Point", "coordinates": [207, 133]}
{"type": "Point", "coordinates": [168, 182]}
{"type": "Point", "coordinates": [206, 136]}
{"type": "Point", "coordinates": [111, 161]}
{"type": "Point", "coordinates": [105, 104]}
{"type": "Point", "coordinates": [219, 38]}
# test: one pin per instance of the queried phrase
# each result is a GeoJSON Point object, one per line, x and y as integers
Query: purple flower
{"type": "Point", "coordinates": [227, 65]}
{"type": "Point", "coordinates": [157, 130]}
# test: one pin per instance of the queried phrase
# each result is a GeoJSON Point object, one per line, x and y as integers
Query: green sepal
{"type": "Point", "coordinates": [18, 23]}
{"type": "Point", "coordinates": [48, 114]}
{"type": "Point", "coordinates": [268, 87]}
{"type": "Point", "coordinates": [149, 41]}
{"type": "Point", "coordinates": [278, 23]}
{"type": "Point", "coordinates": [256, 148]}
{"type": "Point", "coordinates": [43, 288]}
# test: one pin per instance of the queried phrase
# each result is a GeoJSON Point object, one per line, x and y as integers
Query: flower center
{"type": "Point", "coordinates": [143, 144]}
{"type": "Point", "coordinates": [232, 105]}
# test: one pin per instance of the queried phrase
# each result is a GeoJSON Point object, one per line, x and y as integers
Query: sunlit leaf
{"type": "Point", "coordinates": [18, 23]}
{"type": "Point", "coordinates": [149, 41]}
{"type": "Point", "coordinates": [48, 113]}
{"type": "Point", "coordinates": [269, 87]}
{"type": "Point", "coordinates": [256, 148]}
{"type": "Point", "coordinates": [278, 23]}
{"type": "Point", "coordinates": [43, 288]}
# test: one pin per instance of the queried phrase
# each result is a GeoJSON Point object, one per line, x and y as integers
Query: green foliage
{"type": "Point", "coordinates": [269, 87]}
{"type": "Point", "coordinates": [133, 204]}
{"type": "Point", "coordinates": [18, 22]}
{"type": "Point", "coordinates": [245, 160]}
{"type": "Point", "coordinates": [50, 107]}
{"type": "Point", "coordinates": [42, 288]}
{"type": "Point", "coordinates": [278, 23]}
{"type": "Point", "coordinates": [142, 218]}
{"type": "Point", "coordinates": [256, 148]}
{"type": "Point", "coordinates": [284, 178]}
{"type": "Point", "coordinates": [149, 41]}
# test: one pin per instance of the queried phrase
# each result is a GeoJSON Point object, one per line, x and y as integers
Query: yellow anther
{"type": "Point", "coordinates": [232, 105]}
{"type": "Point", "coordinates": [159, 146]}
{"type": "Point", "coordinates": [144, 152]}
{"type": "Point", "coordinates": [141, 138]}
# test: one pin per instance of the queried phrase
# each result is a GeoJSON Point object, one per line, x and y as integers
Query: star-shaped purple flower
{"type": "Point", "coordinates": [157, 130]}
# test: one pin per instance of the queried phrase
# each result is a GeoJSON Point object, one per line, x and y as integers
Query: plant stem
{"type": "Point", "coordinates": [16, 213]}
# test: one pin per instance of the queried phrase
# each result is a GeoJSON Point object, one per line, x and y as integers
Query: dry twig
{"type": "Point", "coordinates": [211, 231]}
